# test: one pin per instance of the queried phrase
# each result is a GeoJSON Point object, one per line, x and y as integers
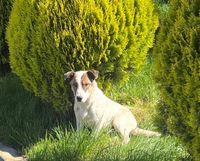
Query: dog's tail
{"type": "Point", "coordinates": [138, 131]}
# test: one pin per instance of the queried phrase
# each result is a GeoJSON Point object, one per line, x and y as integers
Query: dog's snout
{"type": "Point", "coordinates": [79, 99]}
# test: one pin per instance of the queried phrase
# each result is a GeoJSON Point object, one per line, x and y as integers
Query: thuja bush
{"type": "Point", "coordinates": [5, 9]}
{"type": "Point", "coordinates": [177, 62]}
{"type": "Point", "coordinates": [49, 37]}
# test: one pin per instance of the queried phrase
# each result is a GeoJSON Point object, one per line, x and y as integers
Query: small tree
{"type": "Point", "coordinates": [47, 38]}
{"type": "Point", "coordinates": [177, 64]}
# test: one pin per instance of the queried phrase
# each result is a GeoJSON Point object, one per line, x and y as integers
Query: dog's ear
{"type": "Point", "coordinates": [69, 76]}
{"type": "Point", "coordinates": [92, 74]}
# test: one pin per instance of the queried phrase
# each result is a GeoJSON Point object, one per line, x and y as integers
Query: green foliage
{"type": "Point", "coordinates": [48, 38]}
{"type": "Point", "coordinates": [177, 56]}
{"type": "Point", "coordinates": [24, 119]}
{"type": "Point", "coordinates": [162, 1]}
{"type": "Point", "coordinates": [162, 8]}
{"type": "Point", "coordinates": [5, 8]}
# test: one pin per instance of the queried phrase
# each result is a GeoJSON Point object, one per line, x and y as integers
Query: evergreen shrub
{"type": "Point", "coordinates": [177, 70]}
{"type": "Point", "coordinates": [5, 9]}
{"type": "Point", "coordinates": [49, 37]}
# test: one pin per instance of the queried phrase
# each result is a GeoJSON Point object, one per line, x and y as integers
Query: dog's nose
{"type": "Point", "coordinates": [79, 99]}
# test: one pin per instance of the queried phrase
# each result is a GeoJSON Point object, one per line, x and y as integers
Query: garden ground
{"type": "Point", "coordinates": [42, 134]}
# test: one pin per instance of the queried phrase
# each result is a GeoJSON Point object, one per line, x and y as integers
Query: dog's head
{"type": "Point", "coordinates": [82, 83]}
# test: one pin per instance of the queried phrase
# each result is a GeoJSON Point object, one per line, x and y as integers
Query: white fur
{"type": "Point", "coordinates": [98, 111]}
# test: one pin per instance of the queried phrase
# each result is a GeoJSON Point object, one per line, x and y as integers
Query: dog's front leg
{"type": "Point", "coordinates": [78, 125]}
{"type": "Point", "coordinates": [78, 119]}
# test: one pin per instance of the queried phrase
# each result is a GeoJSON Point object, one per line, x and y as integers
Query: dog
{"type": "Point", "coordinates": [93, 109]}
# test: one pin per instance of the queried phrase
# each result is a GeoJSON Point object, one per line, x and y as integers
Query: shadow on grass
{"type": "Point", "coordinates": [24, 118]}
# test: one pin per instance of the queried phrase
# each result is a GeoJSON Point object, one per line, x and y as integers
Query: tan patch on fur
{"type": "Point", "coordinates": [85, 82]}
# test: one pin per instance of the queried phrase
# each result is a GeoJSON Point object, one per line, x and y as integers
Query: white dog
{"type": "Point", "coordinates": [93, 109]}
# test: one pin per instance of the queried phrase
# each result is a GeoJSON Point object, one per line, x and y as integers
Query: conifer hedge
{"type": "Point", "coordinates": [177, 62]}
{"type": "Point", "coordinates": [5, 9]}
{"type": "Point", "coordinates": [49, 37]}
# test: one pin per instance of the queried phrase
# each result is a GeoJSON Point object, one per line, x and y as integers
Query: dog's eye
{"type": "Point", "coordinates": [86, 84]}
{"type": "Point", "coordinates": [75, 85]}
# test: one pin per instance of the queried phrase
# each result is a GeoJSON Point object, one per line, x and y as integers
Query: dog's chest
{"type": "Point", "coordinates": [88, 115]}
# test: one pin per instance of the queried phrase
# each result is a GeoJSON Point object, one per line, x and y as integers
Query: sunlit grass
{"type": "Point", "coordinates": [139, 89]}
{"type": "Point", "coordinates": [63, 145]}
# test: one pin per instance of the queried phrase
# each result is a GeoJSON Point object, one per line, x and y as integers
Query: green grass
{"type": "Point", "coordinates": [140, 93]}
{"type": "Point", "coordinates": [65, 145]}
{"type": "Point", "coordinates": [30, 124]}
{"type": "Point", "coordinates": [140, 87]}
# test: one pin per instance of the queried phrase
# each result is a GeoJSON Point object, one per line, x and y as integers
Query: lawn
{"type": "Point", "coordinates": [35, 129]}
